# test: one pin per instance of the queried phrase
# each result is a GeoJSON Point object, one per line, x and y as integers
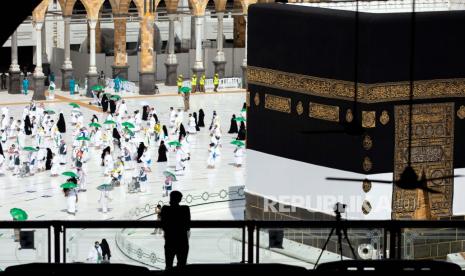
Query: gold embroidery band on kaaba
{"type": "Point", "coordinates": [344, 90]}
{"type": "Point", "coordinates": [324, 112]}
{"type": "Point", "coordinates": [277, 103]}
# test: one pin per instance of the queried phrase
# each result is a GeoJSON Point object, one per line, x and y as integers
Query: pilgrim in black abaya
{"type": "Point", "coordinates": [201, 118]}
{"type": "Point", "coordinates": [104, 103]}
{"type": "Point", "coordinates": [242, 132]}
{"type": "Point", "coordinates": [140, 151]}
{"type": "Point", "coordinates": [182, 131]}
{"type": "Point", "coordinates": [27, 125]}
{"type": "Point", "coordinates": [145, 112]}
{"type": "Point", "coordinates": [117, 136]}
{"type": "Point", "coordinates": [112, 107]}
{"type": "Point", "coordinates": [61, 124]}
{"type": "Point", "coordinates": [165, 131]}
{"type": "Point", "coordinates": [233, 127]}
{"type": "Point", "coordinates": [162, 150]}
{"type": "Point", "coordinates": [48, 162]}
{"type": "Point", "coordinates": [105, 150]}
{"type": "Point", "coordinates": [196, 122]}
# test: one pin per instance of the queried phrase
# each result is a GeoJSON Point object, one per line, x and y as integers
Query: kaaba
{"type": "Point", "coordinates": [312, 69]}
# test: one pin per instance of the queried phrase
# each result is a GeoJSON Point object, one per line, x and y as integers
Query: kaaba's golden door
{"type": "Point", "coordinates": [432, 152]}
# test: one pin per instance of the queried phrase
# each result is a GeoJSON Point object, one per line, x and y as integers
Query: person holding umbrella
{"type": "Point", "coordinates": [71, 197]}
{"type": "Point", "coordinates": [186, 95]}
{"type": "Point", "coordinates": [238, 152]}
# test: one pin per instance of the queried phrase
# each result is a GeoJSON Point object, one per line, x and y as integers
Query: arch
{"type": "Point", "coordinates": [69, 5]}
{"type": "Point", "coordinates": [62, 4]}
{"type": "Point", "coordinates": [198, 7]}
{"type": "Point", "coordinates": [220, 5]}
{"type": "Point", "coordinates": [245, 5]}
{"type": "Point", "coordinates": [38, 14]}
{"type": "Point", "coordinates": [140, 6]}
{"type": "Point", "coordinates": [172, 6]}
{"type": "Point", "coordinates": [92, 8]}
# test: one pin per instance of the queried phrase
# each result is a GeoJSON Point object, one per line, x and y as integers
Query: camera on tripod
{"type": "Point", "coordinates": [339, 208]}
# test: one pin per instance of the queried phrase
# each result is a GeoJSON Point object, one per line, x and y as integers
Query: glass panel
{"type": "Point", "coordinates": [146, 246]}
{"type": "Point", "coordinates": [21, 246]}
{"type": "Point", "coordinates": [302, 247]}
{"type": "Point", "coordinates": [434, 244]}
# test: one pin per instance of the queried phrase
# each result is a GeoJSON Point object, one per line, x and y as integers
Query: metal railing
{"type": "Point", "coordinates": [392, 231]}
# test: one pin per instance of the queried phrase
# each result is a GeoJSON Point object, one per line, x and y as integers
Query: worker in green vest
{"type": "Point", "coordinates": [194, 83]}
{"type": "Point", "coordinates": [179, 83]}
{"type": "Point", "coordinates": [202, 83]}
{"type": "Point", "coordinates": [216, 82]}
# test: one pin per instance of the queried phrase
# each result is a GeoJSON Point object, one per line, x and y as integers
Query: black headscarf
{"type": "Point", "coordinates": [48, 162]}
{"type": "Point", "coordinates": [27, 125]}
{"type": "Point", "coordinates": [201, 118]}
{"type": "Point", "coordinates": [145, 112]}
{"type": "Point", "coordinates": [1, 149]}
{"type": "Point", "coordinates": [196, 122]}
{"type": "Point", "coordinates": [182, 131]}
{"type": "Point", "coordinates": [105, 150]}
{"type": "Point", "coordinates": [244, 106]}
{"type": "Point", "coordinates": [104, 103]}
{"type": "Point", "coordinates": [162, 152]}
{"type": "Point", "coordinates": [61, 124]}
{"type": "Point", "coordinates": [94, 118]}
{"type": "Point", "coordinates": [242, 132]}
{"type": "Point", "coordinates": [233, 127]}
{"type": "Point", "coordinates": [140, 151]}
{"type": "Point", "coordinates": [165, 131]}
{"type": "Point", "coordinates": [112, 106]}
{"type": "Point", "coordinates": [105, 248]}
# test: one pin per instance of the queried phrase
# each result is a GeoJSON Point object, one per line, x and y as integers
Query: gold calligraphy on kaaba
{"type": "Point", "coordinates": [368, 119]}
{"type": "Point", "coordinates": [345, 90]}
{"type": "Point", "coordinates": [278, 103]}
{"type": "Point", "coordinates": [432, 153]}
{"type": "Point", "coordinates": [461, 112]}
{"type": "Point", "coordinates": [324, 112]}
{"type": "Point", "coordinates": [299, 108]}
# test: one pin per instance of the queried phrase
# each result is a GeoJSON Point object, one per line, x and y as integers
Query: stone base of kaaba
{"type": "Point", "coordinates": [66, 76]}
{"type": "Point", "coordinates": [244, 77]}
{"type": "Point", "coordinates": [14, 82]}
{"type": "Point", "coordinates": [39, 88]}
{"type": "Point", "coordinates": [171, 74]}
{"type": "Point", "coordinates": [147, 83]}
{"type": "Point", "coordinates": [120, 71]}
{"type": "Point", "coordinates": [92, 80]}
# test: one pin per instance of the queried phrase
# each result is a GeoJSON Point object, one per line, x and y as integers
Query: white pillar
{"type": "Point", "coordinates": [219, 38]}
{"type": "Point", "coordinates": [14, 67]}
{"type": "Point", "coordinates": [198, 43]}
{"type": "Point", "coordinates": [44, 43]}
{"type": "Point", "coordinates": [92, 65]}
{"type": "Point", "coordinates": [244, 62]}
{"type": "Point", "coordinates": [67, 63]}
{"type": "Point", "coordinates": [171, 59]}
{"type": "Point", "coordinates": [38, 70]}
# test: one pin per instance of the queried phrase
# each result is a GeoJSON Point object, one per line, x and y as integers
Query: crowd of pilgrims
{"type": "Point", "coordinates": [36, 143]}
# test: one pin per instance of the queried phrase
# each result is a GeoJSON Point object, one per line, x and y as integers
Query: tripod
{"type": "Point", "coordinates": [339, 232]}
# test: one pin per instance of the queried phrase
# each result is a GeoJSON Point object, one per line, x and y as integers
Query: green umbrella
{"type": "Point", "coordinates": [49, 111]}
{"type": "Point", "coordinates": [68, 185]}
{"type": "Point", "coordinates": [30, 149]}
{"type": "Point", "coordinates": [128, 125]}
{"type": "Point", "coordinates": [174, 143]}
{"type": "Point", "coordinates": [109, 122]}
{"type": "Point", "coordinates": [167, 173]}
{"type": "Point", "coordinates": [185, 89]}
{"type": "Point", "coordinates": [74, 105]}
{"type": "Point", "coordinates": [105, 187]}
{"type": "Point", "coordinates": [238, 143]}
{"type": "Point", "coordinates": [129, 131]}
{"type": "Point", "coordinates": [97, 87]}
{"type": "Point", "coordinates": [70, 174]}
{"type": "Point", "coordinates": [240, 119]}
{"type": "Point", "coordinates": [83, 138]}
{"type": "Point", "coordinates": [18, 214]}
{"type": "Point", "coordinates": [115, 97]}
{"type": "Point", "coordinates": [95, 125]}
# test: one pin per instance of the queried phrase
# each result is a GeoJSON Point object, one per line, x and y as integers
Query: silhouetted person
{"type": "Point", "coordinates": [3, 81]}
{"type": "Point", "coordinates": [106, 253]}
{"type": "Point", "coordinates": [175, 221]}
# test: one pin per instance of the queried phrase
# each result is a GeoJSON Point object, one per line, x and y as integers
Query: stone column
{"type": "Point", "coordinates": [92, 75]}
{"type": "Point", "coordinates": [198, 65]}
{"type": "Point", "coordinates": [45, 61]}
{"type": "Point", "coordinates": [244, 62]}
{"type": "Point", "coordinates": [147, 52]}
{"type": "Point", "coordinates": [14, 72]}
{"type": "Point", "coordinates": [67, 68]}
{"type": "Point", "coordinates": [120, 66]}
{"type": "Point", "coordinates": [220, 60]}
{"type": "Point", "coordinates": [39, 87]}
{"type": "Point", "coordinates": [171, 62]}
{"type": "Point", "coordinates": [193, 36]}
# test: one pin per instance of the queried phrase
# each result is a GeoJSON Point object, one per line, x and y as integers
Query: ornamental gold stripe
{"type": "Point", "coordinates": [344, 90]}
{"type": "Point", "coordinates": [324, 112]}
{"type": "Point", "coordinates": [277, 103]}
